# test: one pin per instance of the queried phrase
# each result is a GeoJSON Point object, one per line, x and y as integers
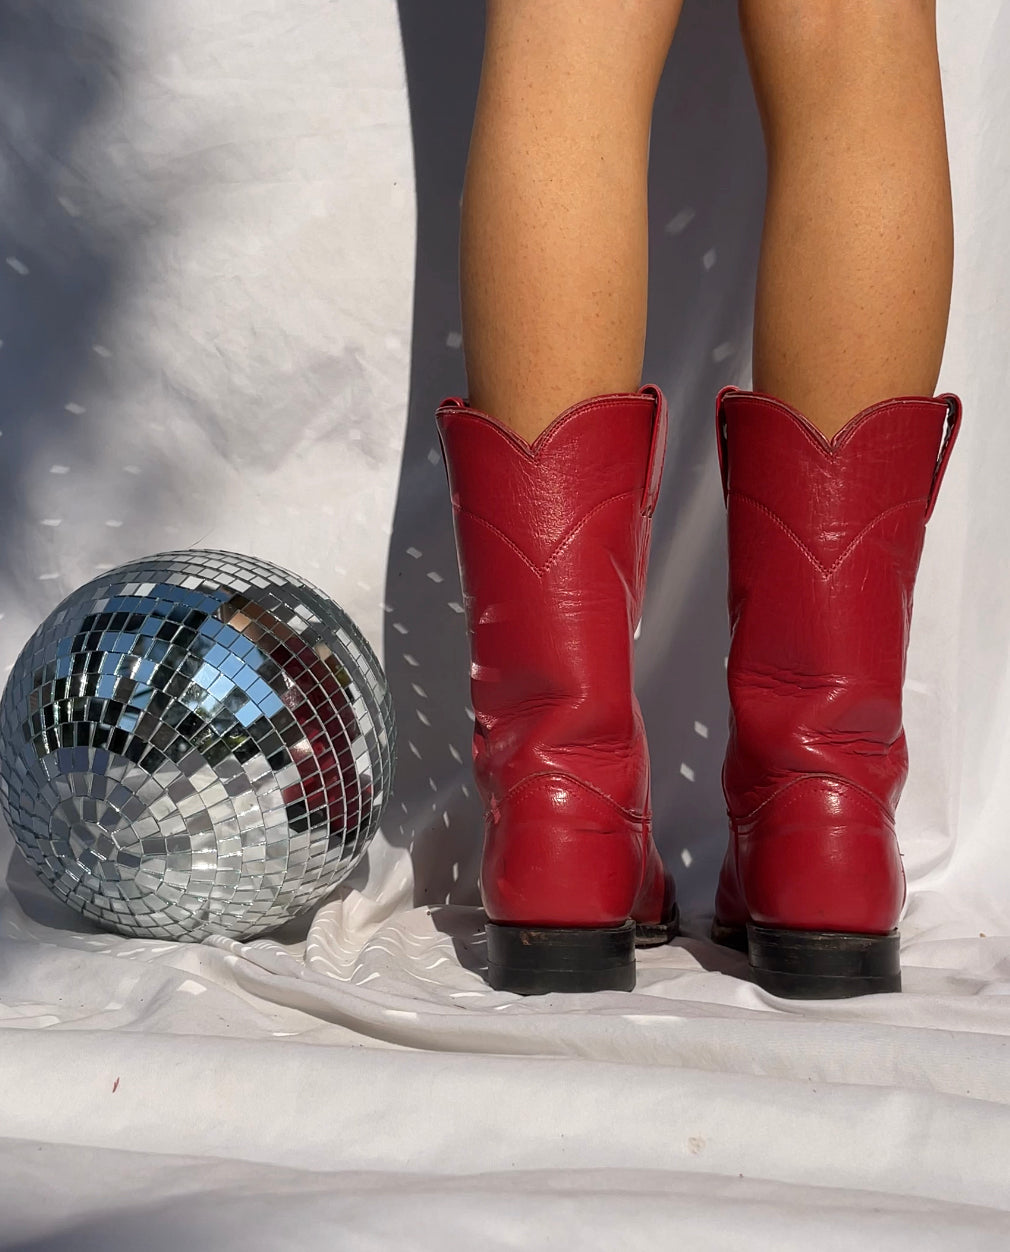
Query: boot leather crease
{"type": "Point", "coordinates": [824, 540]}
{"type": "Point", "coordinates": [552, 540]}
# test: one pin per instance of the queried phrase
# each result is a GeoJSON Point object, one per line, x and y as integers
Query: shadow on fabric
{"type": "Point", "coordinates": [68, 244]}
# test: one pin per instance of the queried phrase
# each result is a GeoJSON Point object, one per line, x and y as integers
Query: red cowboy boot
{"type": "Point", "coordinates": [824, 544]}
{"type": "Point", "coordinates": [553, 542]}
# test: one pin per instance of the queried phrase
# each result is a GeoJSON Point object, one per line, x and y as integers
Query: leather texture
{"type": "Point", "coordinates": [824, 543]}
{"type": "Point", "coordinates": [553, 543]}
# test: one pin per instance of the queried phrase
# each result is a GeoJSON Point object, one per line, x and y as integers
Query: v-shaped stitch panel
{"type": "Point", "coordinates": [886, 458]}
{"type": "Point", "coordinates": [546, 559]}
{"type": "Point", "coordinates": [581, 463]}
{"type": "Point", "coordinates": [825, 569]}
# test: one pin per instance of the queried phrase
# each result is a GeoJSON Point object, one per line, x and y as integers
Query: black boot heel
{"type": "Point", "coordinates": [820, 965]}
{"type": "Point", "coordinates": [655, 934]}
{"type": "Point", "coordinates": [535, 960]}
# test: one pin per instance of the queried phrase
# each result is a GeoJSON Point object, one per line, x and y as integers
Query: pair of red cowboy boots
{"type": "Point", "coordinates": [824, 543]}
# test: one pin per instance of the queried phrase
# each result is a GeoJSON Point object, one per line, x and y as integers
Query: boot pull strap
{"type": "Point", "coordinates": [952, 424]}
{"type": "Point", "coordinates": [722, 439]}
{"type": "Point", "coordinates": [450, 402]}
{"type": "Point", "coordinates": [657, 452]}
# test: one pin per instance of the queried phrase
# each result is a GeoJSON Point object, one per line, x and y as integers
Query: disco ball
{"type": "Point", "coordinates": [195, 743]}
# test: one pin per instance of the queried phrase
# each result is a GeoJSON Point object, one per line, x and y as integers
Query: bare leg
{"type": "Point", "coordinates": [554, 238]}
{"type": "Point", "coordinates": [857, 255]}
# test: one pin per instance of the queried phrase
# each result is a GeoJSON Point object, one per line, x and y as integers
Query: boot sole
{"type": "Point", "coordinates": [536, 960]}
{"type": "Point", "coordinates": [816, 964]}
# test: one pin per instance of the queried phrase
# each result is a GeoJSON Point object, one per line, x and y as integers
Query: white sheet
{"type": "Point", "coordinates": [216, 219]}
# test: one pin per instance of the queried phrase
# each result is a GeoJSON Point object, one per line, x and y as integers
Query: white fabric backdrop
{"type": "Point", "coordinates": [228, 311]}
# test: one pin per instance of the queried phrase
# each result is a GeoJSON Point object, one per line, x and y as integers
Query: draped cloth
{"type": "Point", "coordinates": [229, 308]}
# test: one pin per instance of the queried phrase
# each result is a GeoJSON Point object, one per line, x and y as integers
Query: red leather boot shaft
{"type": "Point", "coordinates": [824, 545]}
{"type": "Point", "coordinates": [553, 542]}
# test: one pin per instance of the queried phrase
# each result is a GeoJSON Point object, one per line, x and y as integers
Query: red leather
{"type": "Point", "coordinates": [824, 545]}
{"type": "Point", "coordinates": [553, 543]}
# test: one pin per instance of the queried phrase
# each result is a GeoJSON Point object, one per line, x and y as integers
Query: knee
{"type": "Point", "coordinates": [813, 29]}
{"type": "Point", "coordinates": [833, 55]}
